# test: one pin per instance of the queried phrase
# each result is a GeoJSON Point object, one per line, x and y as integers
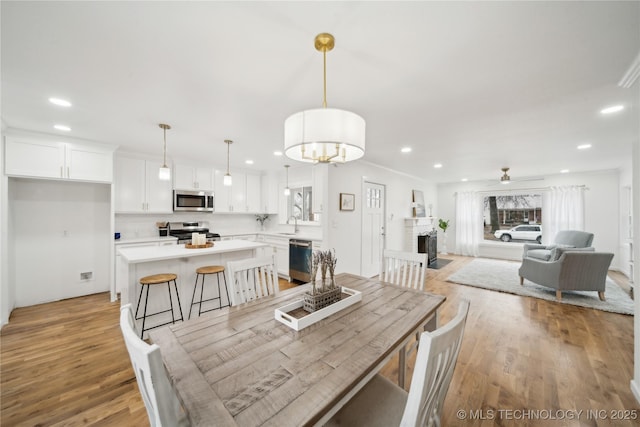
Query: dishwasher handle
{"type": "Point", "coordinates": [300, 243]}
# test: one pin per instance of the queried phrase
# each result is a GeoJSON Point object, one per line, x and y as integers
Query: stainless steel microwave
{"type": "Point", "coordinates": [193, 201]}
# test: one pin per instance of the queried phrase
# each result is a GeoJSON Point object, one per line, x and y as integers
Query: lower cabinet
{"type": "Point", "coordinates": [280, 246]}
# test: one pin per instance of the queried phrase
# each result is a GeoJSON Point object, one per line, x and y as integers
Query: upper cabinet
{"type": "Point", "coordinates": [193, 178]}
{"type": "Point", "coordinates": [138, 188]}
{"type": "Point", "coordinates": [244, 195]}
{"type": "Point", "coordinates": [57, 160]}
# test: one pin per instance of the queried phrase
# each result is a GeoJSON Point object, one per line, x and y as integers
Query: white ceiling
{"type": "Point", "coordinates": [472, 85]}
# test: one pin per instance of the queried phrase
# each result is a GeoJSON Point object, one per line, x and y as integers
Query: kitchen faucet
{"type": "Point", "coordinates": [295, 223]}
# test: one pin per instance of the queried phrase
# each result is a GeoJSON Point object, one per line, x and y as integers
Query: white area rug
{"type": "Point", "coordinates": [503, 276]}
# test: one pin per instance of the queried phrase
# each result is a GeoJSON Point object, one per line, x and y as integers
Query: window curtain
{"type": "Point", "coordinates": [563, 209]}
{"type": "Point", "coordinates": [469, 224]}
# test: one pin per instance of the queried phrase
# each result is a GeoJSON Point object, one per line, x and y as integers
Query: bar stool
{"type": "Point", "coordinates": [211, 269]}
{"type": "Point", "coordinates": [157, 279]}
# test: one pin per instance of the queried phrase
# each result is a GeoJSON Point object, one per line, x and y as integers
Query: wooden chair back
{"type": "Point", "coordinates": [406, 269]}
{"type": "Point", "coordinates": [159, 398]}
{"type": "Point", "coordinates": [435, 363]}
{"type": "Point", "coordinates": [253, 278]}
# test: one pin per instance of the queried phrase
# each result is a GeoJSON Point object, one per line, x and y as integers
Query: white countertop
{"type": "Point", "coordinates": [148, 239]}
{"type": "Point", "coordinates": [158, 253]}
{"type": "Point", "coordinates": [299, 235]}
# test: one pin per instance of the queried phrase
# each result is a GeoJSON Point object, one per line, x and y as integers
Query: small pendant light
{"type": "Point", "coordinates": [227, 178]}
{"type": "Point", "coordinates": [287, 190]}
{"type": "Point", "coordinates": [164, 174]}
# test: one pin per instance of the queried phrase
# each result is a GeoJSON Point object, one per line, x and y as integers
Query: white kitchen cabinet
{"type": "Point", "coordinates": [239, 193]}
{"type": "Point", "coordinates": [254, 193]}
{"type": "Point", "coordinates": [244, 195]}
{"type": "Point", "coordinates": [138, 188]}
{"type": "Point", "coordinates": [187, 177]}
{"type": "Point", "coordinates": [57, 160]}
{"type": "Point", "coordinates": [269, 185]}
{"type": "Point", "coordinates": [280, 247]}
{"type": "Point", "coordinates": [222, 193]}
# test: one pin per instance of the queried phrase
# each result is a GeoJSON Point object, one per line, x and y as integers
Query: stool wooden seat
{"type": "Point", "coordinates": [157, 279]}
{"type": "Point", "coordinates": [211, 269]}
{"type": "Point", "coordinates": [203, 271]}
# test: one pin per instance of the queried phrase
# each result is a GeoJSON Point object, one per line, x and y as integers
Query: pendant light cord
{"type": "Point", "coordinates": [164, 148]}
{"type": "Point", "coordinates": [324, 96]}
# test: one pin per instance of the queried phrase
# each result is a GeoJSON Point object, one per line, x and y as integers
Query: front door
{"type": "Point", "coordinates": [372, 228]}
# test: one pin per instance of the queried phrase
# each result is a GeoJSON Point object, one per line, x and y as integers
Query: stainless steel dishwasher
{"type": "Point", "coordinates": [299, 259]}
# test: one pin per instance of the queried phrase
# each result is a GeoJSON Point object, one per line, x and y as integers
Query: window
{"type": "Point", "coordinates": [513, 218]}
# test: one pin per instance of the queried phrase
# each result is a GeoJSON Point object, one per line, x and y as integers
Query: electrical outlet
{"type": "Point", "coordinates": [88, 275]}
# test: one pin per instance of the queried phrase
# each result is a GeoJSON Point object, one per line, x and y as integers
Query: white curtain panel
{"type": "Point", "coordinates": [563, 210]}
{"type": "Point", "coordinates": [469, 223]}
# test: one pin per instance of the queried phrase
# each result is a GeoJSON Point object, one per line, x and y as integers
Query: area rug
{"type": "Point", "coordinates": [503, 276]}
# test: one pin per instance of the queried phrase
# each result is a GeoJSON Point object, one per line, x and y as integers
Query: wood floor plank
{"type": "Point", "coordinates": [65, 363]}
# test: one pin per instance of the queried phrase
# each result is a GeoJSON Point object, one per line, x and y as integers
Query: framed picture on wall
{"type": "Point", "coordinates": [347, 202]}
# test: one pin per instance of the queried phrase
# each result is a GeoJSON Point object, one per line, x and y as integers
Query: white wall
{"type": "Point", "coordinates": [59, 229]}
{"type": "Point", "coordinates": [7, 294]}
{"type": "Point", "coordinates": [343, 232]}
{"type": "Point", "coordinates": [602, 202]}
{"type": "Point", "coordinates": [635, 383]}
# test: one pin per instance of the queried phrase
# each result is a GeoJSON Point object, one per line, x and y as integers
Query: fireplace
{"type": "Point", "coordinates": [428, 244]}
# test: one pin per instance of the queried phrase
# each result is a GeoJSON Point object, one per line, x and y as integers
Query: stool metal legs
{"type": "Point", "coordinates": [146, 303]}
{"type": "Point", "coordinates": [219, 297]}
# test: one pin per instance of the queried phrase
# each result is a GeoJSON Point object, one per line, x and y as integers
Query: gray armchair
{"type": "Point", "coordinates": [575, 270]}
{"type": "Point", "coordinates": [564, 239]}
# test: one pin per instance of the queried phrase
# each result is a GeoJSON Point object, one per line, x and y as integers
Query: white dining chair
{"type": "Point", "coordinates": [382, 403]}
{"type": "Point", "coordinates": [253, 278]}
{"type": "Point", "coordinates": [163, 407]}
{"type": "Point", "coordinates": [406, 269]}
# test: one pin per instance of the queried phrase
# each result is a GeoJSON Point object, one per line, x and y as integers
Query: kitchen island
{"type": "Point", "coordinates": [138, 262]}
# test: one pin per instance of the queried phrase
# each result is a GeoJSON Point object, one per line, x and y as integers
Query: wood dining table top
{"type": "Point", "coordinates": [239, 366]}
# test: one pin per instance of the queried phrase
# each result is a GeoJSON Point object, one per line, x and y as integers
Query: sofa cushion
{"type": "Point", "coordinates": [541, 254]}
{"type": "Point", "coordinates": [555, 253]}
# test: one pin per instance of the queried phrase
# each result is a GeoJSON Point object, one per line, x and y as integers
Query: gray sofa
{"type": "Point", "coordinates": [575, 270]}
{"type": "Point", "coordinates": [564, 239]}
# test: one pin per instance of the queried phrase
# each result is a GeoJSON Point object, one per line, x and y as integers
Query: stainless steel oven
{"type": "Point", "coordinates": [299, 259]}
{"type": "Point", "coordinates": [193, 201]}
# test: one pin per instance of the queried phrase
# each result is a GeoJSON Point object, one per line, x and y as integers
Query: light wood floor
{"type": "Point", "coordinates": [65, 363]}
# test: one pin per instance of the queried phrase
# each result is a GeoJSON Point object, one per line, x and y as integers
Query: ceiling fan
{"type": "Point", "coordinates": [506, 179]}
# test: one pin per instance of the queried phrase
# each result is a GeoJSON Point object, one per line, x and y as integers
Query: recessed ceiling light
{"type": "Point", "coordinates": [464, 179]}
{"type": "Point", "coordinates": [249, 162]}
{"type": "Point", "coordinates": [406, 149]}
{"type": "Point", "coordinates": [277, 153]}
{"type": "Point", "coordinates": [564, 171]}
{"type": "Point", "coordinates": [60, 102]}
{"type": "Point", "coordinates": [62, 127]}
{"type": "Point", "coordinates": [612, 109]}
{"type": "Point", "coordinates": [437, 165]}
{"type": "Point", "coordinates": [583, 146]}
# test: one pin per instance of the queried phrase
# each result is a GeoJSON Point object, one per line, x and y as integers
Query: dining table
{"type": "Point", "coordinates": [239, 366]}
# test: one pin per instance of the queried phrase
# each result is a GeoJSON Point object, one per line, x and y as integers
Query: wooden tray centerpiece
{"type": "Point", "coordinates": [321, 301]}
{"type": "Point", "coordinates": [206, 245]}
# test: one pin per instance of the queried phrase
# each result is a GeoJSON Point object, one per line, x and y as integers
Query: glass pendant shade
{"type": "Point", "coordinates": [287, 191]}
{"type": "Point", "coordinates": [164, 173]}
{"type": "Point", "coordinates": [227, 181]}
